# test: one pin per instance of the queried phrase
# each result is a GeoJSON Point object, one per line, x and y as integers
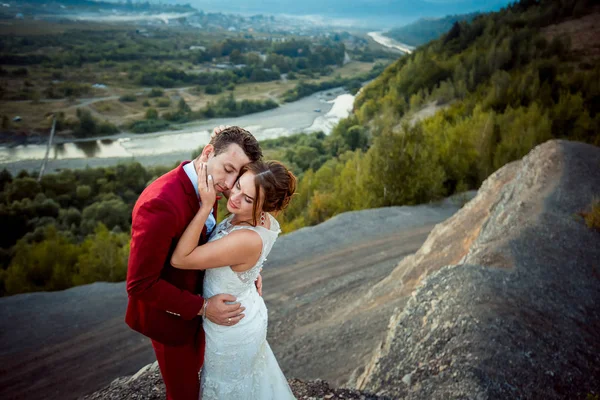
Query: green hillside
{"type": "Point", "coordinates": [427, 29]}
{"type": "Point", "coordinates": [506, 81]}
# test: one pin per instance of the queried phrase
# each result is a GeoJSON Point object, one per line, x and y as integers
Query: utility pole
{"type": "Point", "coordinates": [47, 149]}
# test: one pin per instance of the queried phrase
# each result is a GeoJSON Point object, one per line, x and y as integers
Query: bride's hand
{"type": "Point", "coordinates": [218, 129]}
{"type": "Point", "coordinates": [206, 187]}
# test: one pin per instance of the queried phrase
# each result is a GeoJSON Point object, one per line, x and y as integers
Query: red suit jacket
{"type": "Point", "coordinates": [164, 301]}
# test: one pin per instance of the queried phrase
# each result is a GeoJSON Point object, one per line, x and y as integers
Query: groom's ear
{"type": "Point", "coordinates": [207, 151]}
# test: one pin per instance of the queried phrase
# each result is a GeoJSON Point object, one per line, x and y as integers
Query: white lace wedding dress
{"type": "Point", "coordinates": [238, 362]}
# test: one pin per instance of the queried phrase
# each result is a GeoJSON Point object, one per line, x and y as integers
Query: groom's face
{"type": "Point", "coordinates": [225, 167]}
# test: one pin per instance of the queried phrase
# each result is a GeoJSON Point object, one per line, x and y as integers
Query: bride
{"type": "Point", "coordinates": [238, 362]}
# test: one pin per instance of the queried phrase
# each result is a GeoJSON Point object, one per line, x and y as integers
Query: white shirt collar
{"type": "Point", "coordinates": [190, 170]}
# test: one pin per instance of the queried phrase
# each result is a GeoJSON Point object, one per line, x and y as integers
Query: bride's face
{"type": "Point", "coordinates": [242, 197]}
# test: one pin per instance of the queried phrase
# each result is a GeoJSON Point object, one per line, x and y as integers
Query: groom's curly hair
{"type": "Point", "coordinates": [239, 136]}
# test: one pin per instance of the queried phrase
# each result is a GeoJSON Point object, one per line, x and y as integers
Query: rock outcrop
{"type": "Point", "coordinates": [505, 296]}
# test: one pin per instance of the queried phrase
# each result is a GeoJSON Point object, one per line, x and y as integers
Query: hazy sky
{"type": "Point", "coordinates": [386, 13]}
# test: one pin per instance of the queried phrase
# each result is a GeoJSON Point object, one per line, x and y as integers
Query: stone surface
{"type": "Point", "coordinates": [515, 312]}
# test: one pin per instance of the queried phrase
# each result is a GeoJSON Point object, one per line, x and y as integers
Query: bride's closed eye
{"type": "Point", "coordinates": [238, 187]}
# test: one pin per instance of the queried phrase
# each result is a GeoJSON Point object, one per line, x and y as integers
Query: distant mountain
{"type": "Point", "coordinates": [427, 29]}
{"type": "Point", "coordinates": [375, 13]}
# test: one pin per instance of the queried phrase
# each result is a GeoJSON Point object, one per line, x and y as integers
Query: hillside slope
{"type": "Point", "coordinates": [426, 29]}
{"type": "Point", "coordinates": [513, 310]}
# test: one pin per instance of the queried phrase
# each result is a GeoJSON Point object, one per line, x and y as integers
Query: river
{"type": "Point", "coordinates": [391, 43]}
{"type": "Point", "coordinates": [320, 111]}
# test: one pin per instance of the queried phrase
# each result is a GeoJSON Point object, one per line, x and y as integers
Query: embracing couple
{"type": "Point", "coordinates": [194, 285]}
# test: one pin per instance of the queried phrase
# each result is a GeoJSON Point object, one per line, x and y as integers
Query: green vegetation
{"type": "Point", "coordinates": [427, 29]}
{"type": "Point", "coordinates": [352, 84]}
{"type": "Point", "coordinates": [592, 218]}
{"type": "Point", "coordinates": [506, 89]}
{"type": "Point", "coordinates": [127, 98]}
{"type": "Point", "coordinates": [88, 126]}
{"type": "Point", "coordinates": [225, 106]}
{"type": "Point", "coordinates": [71, 228]}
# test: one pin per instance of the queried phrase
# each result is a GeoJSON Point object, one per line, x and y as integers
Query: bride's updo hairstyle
{"type": "Point", "coordinates": [275, 185]}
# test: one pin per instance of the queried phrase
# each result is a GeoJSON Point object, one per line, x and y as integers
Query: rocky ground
{"type": "Point", "coordinates": [511, 310]}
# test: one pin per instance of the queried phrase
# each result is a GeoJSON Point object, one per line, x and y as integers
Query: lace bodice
{"type": "Point", "coordinates": [226, 280]}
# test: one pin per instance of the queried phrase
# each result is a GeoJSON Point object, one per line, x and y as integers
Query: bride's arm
{"type": "Point", "coordinates": [190, 238]}
{"type": "Point", "coordinates": [242, 247]}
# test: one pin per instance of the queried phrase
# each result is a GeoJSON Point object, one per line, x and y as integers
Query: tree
{"type": "Point", "coordinates": [183, 107]}
{"type": "Point", "coordinates": [44, 265]}
{"type": "Point", "coordinates": [111, 213]}
{"type": "Point", "coordinates": [253, 59]}
{"type": "Point", "coordinates": [87, 125]}
{"type": "Point", "coordinates": [22, 188]}
{"type": "Point", "coordinates": [83, 192]}
{"type": "Point", "coordinates": [236, 57]}
{"type": "Point", "coordinates": [303, 156]}
{"type": "Point", "coordinates": [70, 218]}
{"type": "Point", "coordinates": [151, 114]}
{"type": "Point", "coordinates": [401, 169]}
{"type": "Point", "coordinates": [5, 177]}
{"type": "Point", "coordinates": [103, 257]}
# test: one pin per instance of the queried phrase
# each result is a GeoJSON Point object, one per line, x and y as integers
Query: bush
{"type": "Point", "coordinates": [88, 126]}
{"type": "Point", "coordinates": [151, 113]}
{"type": "Point", "coordinates": [147, 126]}
{"type": "Point", "coordinates": [127, 98]}
{"type": "Point", "coordinates": [109, 212]}
{"type": "Point", "coordinates": [106, 128]}
{"type": "Point", "coordinates": [156, 93]}
{"type": "Point", "coordinates": [213, 89]}
{"type": "Point", "coordinates": [163, 103]}
{"type": "Point", "coordinates": [592, 218]}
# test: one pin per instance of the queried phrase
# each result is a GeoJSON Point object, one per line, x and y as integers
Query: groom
{"type": "Point", "coordinates": [165, 303]}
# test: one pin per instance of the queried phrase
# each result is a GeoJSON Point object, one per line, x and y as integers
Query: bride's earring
{"type": "Point", "coordinates": [262, 218]}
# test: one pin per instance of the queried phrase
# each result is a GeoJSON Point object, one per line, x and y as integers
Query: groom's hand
{"type": "Point", "coordinates": [221, 313]}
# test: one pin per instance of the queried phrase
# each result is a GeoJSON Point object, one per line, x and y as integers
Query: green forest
{"type": "Point", "coordinates": [504, 88]}
{"type": "Point", "coordinates": [502, 85]}
{"type": "Point", "coordinates": [427, 29]}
